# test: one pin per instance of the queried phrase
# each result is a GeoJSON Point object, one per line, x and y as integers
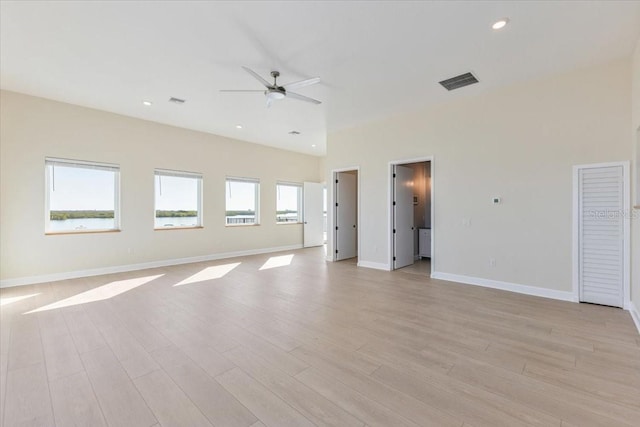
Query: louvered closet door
{"type": "Point", "coordinates": [601, 235]}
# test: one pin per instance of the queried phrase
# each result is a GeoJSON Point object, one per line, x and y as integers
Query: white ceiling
{"type": "Point", "coordinates": [374, 58]}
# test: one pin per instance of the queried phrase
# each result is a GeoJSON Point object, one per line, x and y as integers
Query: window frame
{"type": "Point", "coordinates": [160, 172]}
{"type": "Point", "coordinates": [299, 187]}
{"type": "Point", "coordinates": [255, 181]}
{"type": "Point", "coordinates": [81, 164]}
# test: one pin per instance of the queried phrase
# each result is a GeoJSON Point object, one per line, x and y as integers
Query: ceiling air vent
{"type": "Point", "coordinates": [457, 82]}
{"type": "Point", "coordinates": [176, 100]}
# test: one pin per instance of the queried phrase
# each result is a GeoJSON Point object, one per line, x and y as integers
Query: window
{"type": "Point", "coordinates": [178, 199]}
{"type": "Point", "coordinates": [243, 195]}
{"type": "Point", "coordinates": [288, 203]}
{"type": "Point", "coordinates": [81, 196]}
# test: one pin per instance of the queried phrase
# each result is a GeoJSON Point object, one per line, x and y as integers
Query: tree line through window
{"type": "Point", "coordinates": [84, 196]}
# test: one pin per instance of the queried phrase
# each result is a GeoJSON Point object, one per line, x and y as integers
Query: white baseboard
{"type": "Point", "coordinates": [30, 280]}
{"type": "Point", "coordinates": [506, 286]}
{"type": "Point", "coordinates": [374, 265]}
{"type": "Point", "coordinates": [635, 315]}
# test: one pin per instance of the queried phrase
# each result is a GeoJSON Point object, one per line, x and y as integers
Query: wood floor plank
{"type": "Point", "coordinates": [409, 407]}
{"type": "Point", "coordinates": [133, 357]}
{"type": "Point", "coordinates": [278, 357]}
{"type": "Point", "coordinates": [74, 402]}
{"type": "Point", "coordinates": [316, 408]}
{"type": "Point", "coordinates": [208, 359]}
{"type": "Point", "coordinates": [583, 382]}
{"type": "Point", "coordinates": [215, 402]}
{"type": "Point", "coordinates": [481, 413]}
{"type": "Point", "coordinates": [168, 402]}
{"type": "Point", "coordinates": [61, 356]}
{"type": "Point", "coordinates": [560, 402]}
{"type": "Point", "coordinates": [268, 407]}
{"type": "Point", "coordinates": [373, 413]}
{"type": "Point", "coordinates": [84, 333]}
{"type": "Point", "coordinates": [28, 401]}
{"type": "Point", "coordinates": [119, 399]}
{"type": "Point", "coordinates": [25, 343]}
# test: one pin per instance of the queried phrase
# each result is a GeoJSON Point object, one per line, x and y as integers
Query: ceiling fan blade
{"type": "Point", "coordinates": [302, 98]}
{"type": "Point", "coordinates": [257, 77]}
{"type": "Point", "coordinates": [302, 83]}
{"type": "Point", "coordinates": [241, 91]}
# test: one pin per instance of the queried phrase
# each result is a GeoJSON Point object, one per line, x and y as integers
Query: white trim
{"type": "Point", "coordinates": [242, 179]}
{"type": "Point", "coordinates": [635, 315]}
{"type": "Point", "coordinates": [506, 286]}
{"type": "Point", "coordinates": [157, 186]}
{"type": "Point", "coordinates": [374, 265]}
{"type": "Point", "coordinates": [30, 280]}
{"type": "Point", "coordinates": [48, 186]}
{"type": "Point", "coordinates": [390, 205]}
{"type": "Point", "coordinates": [331, 235]}
{"type": "Point", "coordinates": [177, 173]}
{"type": "Point", "coordinates": [83, 164]}
{"type": "Point", "coordinates": [626, 299]}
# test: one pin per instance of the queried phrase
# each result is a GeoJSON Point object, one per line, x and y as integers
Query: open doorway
{"type": "Point", "coordinates": [411, 214]}
{"type": "Point", "coordinates": [345, 214]}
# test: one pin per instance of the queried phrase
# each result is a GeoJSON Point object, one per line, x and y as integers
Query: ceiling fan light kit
{"type": "Point", "coordinates": [276, 92]}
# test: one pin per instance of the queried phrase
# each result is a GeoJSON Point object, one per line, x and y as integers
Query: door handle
{"type": "Point", "coordinates": [305, 222]}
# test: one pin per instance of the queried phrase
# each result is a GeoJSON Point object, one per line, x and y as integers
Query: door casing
{"type": "Point", "coordinates": [626, 291]}
{"type": "Point", "coordinates": [331, 207]}
{"type": "Point", "coordinates": [390, 207]}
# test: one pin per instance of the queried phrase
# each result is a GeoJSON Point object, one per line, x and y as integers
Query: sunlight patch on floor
{"type": "Point", "coordinates": [100, 293]}
{"type": "Point", "coordinates": [11, 300]}
{"type": "Point", "coordinates": [277, 261]}
{"type": "Point", "coordinates": [209, 273]}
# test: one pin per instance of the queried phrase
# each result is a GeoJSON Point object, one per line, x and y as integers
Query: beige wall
{"type": "Point", "coordinates": [635, 223]}
{"type": "Point", "coordinates": [519, 143]}
{"type": "Point", "coordinates": [32, 128]}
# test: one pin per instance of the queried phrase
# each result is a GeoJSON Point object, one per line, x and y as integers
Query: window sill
{"type": "Point", "coordinates": [177, 228]}
{"type": "Point", "coordinates": [288, 223]}
{"type": "Point", "coordinates": [241, 225]}
{"type": "Point", "coordinates": [56, 233]}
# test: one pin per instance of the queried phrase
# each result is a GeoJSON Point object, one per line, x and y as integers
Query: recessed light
{"type": "Point", "coordinates": [313, 145]}
{"type": "Point", "coordinates": [500, 24]}
{"type": "Point", "coordinates": [238, 126]}
{"type": "Point", "coordinates": [147, 103]}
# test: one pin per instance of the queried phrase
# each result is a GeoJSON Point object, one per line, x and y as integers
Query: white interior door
{"type": "Point", "coordinates": [313, 214]}
{"type": "Point", "coordinates": [346, 197]}
{"type": "Point", "coordinates": [601, 235]}
{"type": "Point", "coordinates": [403, 224]}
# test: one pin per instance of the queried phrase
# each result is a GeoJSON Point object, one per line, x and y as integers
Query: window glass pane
{"type": "Point", "coordinates": [241, 206]}
{"type": "Point", "coordinates": [81, 199]}
{"type": "Point", "coordinates": [177, 201]}
{"type": "Point", "coordinates": [288, 203]}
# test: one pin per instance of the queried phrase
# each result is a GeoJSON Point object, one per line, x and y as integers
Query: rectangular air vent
{"type": "Point", "coordinates": [176, 100]}
{"type": "Point", "coordinates": [457, 82]}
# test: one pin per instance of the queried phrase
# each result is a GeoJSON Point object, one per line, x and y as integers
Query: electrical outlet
{"type": "Point", "coordinates": [492, 262]}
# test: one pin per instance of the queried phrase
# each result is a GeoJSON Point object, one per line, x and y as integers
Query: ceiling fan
{"type": "Point", "coordinates": [276, 92]}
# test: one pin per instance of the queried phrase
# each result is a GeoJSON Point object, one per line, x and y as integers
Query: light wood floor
{"type": "Point", "coordinates": [310, 343]}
